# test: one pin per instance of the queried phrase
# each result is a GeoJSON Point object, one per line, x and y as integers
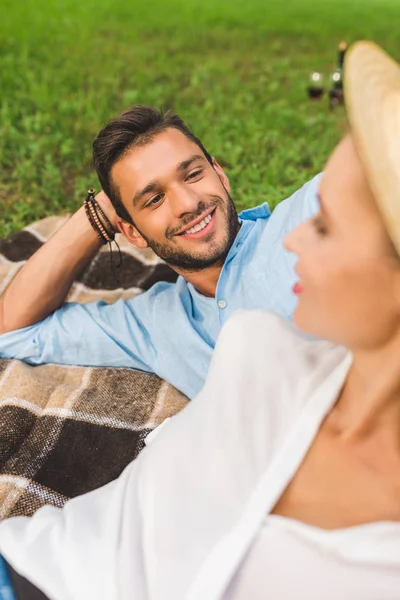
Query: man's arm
{"type": "Point", "coordinates": [44, 282]}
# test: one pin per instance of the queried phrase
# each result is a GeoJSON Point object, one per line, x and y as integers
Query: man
{"type": "Point", "coordinates": [161, 189]}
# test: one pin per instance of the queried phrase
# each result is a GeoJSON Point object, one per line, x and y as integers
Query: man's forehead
{"type": "Point", "coordinates": [164, 151]}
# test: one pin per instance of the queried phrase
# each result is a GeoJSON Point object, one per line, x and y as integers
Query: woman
{"type": "Point", "coordinates": [282, 479]}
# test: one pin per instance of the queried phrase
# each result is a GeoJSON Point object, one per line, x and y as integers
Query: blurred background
{"type": "Point", "coordinates": [237, 72]}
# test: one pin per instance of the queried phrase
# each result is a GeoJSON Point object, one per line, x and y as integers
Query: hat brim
{"type": "Point", "coordinates": [372, 98]}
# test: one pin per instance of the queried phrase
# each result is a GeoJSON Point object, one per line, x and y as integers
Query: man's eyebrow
{"type": "Point", "coordinates": [153, 185]}
{"type": "Point", "coordinates": [150, 187]}
{"type": "Point", "coordinates": [186, 163]}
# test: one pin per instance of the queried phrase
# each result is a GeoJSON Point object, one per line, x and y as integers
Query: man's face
{"type": "Point", "coordinates": [179, 204]}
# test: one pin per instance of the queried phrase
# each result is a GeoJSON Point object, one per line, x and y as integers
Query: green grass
{"type": "Point", "coordinates": [236, 71]}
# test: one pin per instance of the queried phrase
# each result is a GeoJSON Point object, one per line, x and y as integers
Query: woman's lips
{"type": "Point", "coordinates": [297, 288]}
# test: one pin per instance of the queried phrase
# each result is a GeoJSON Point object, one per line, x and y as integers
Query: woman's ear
{"type": "Point", "coordinates": [222, 175]}
{"type": "Point", "coordinates": [130, 232]}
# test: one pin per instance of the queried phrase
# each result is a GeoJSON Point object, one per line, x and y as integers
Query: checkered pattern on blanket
{"type": "Point", "coordinates": [67, 430]}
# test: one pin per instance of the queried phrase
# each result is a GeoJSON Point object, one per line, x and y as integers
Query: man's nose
{"type": "Point", "coordinates": [183, 200]}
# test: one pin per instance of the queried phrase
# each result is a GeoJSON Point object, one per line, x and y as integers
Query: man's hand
{"type": "Point", "coordinates": [107, 207]}
{"type": "Point", "coordinates": [2, 328]}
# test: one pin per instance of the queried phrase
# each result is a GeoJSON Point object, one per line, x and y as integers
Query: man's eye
{"type": "Point", "coordinates": [155, 200]}
{"type": "Point", "coordinates": [194, 174]}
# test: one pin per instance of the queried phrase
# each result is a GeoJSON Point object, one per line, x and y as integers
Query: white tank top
{"type": "Point", "coordinates": [290, 560]}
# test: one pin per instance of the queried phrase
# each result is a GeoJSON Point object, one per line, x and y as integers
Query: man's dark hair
{"type": "Point", "coordinates": [134, 127]}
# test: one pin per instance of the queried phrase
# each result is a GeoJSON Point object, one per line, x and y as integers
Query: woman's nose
{"type": "Point", "coordinates": [292, 240]}
{"type": "Point", "coordinates": [289, 241]}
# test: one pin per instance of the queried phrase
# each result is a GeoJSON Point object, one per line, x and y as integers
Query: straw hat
{"type": "Point", "coordinates": [372, 96]}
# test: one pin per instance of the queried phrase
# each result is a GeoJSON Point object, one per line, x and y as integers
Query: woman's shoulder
{"type": "Point", "coordinates": [263, 341]}
{"type": "Point", "coordinates": [273, 332]}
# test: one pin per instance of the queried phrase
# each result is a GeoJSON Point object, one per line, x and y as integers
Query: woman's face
{"type": "Point", "coordinates": [349, 274]}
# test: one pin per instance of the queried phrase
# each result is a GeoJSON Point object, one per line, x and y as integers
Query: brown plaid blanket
{"type": "Point", "coordinates": [67, 430]}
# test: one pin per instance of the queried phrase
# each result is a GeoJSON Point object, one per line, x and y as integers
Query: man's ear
{"type": "Point", "coordinates": [222, 175]}
{"type": "Point", "coordinates": [130, 232]}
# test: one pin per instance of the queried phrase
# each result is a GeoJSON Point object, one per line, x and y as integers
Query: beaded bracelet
{"type": "Point", "coordinates": [106, 237]}
{"type": "Point", "coordinates": [105, 219]}
{"type": "Point", "coordinates": [98, 219]}
{"type": "Point", "coordinates": [102, 226]}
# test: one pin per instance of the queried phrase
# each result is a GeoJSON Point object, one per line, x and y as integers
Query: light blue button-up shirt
{"type": "Point", "coordinates": [171, 329]}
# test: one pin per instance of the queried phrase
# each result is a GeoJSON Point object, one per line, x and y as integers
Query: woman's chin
{"type": "Point", "coordinates": [303, 322]}
{"type": "Point", "coordinates": [307, 325]}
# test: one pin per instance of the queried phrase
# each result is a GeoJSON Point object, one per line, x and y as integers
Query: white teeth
{"type": "Point", "coordinates": [200, 225]}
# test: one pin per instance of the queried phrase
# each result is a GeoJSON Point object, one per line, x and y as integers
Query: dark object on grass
{"type": "Point", "coordinates": [316, 86]}
{"type": "Point", "coordinates": [336, 96]}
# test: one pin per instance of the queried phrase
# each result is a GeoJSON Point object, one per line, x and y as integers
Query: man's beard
{"type": "Point", "coordinates": [187, 261]}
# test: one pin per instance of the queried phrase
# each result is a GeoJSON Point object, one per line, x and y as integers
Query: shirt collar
{"type": "Point", "coordinates": [247, 219]}
{"type": "Point", "coordinates": [257, 212]}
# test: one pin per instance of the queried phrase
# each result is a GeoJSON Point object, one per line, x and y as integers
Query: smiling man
{"type": "Point", "coordinates": [181, 209]}
{"type": "Point", "coordinates": [162, 189]}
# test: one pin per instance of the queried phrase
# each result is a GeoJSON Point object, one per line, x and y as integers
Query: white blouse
{"type": "Point", "coordinates": [181, 520]}
{"type": "Point", "coordinates": [291, 560]}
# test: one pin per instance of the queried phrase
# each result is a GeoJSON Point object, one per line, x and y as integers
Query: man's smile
{"type": "Point", "coordinates": [201, 227]}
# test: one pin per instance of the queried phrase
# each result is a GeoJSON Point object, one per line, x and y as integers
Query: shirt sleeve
{"type": "Point", "coordinates": [95, 334]}
{"type": "Point", "coordinates": [276, 265]}
{"type": "Point", "coordinates": [299, 207]}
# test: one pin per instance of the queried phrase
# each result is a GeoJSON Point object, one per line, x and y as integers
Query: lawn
{"type": "Point", "coordinates": [236, 71]}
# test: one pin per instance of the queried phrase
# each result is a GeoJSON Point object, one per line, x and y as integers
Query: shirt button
{"type": "Point", "coordinates": [222, 303]}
